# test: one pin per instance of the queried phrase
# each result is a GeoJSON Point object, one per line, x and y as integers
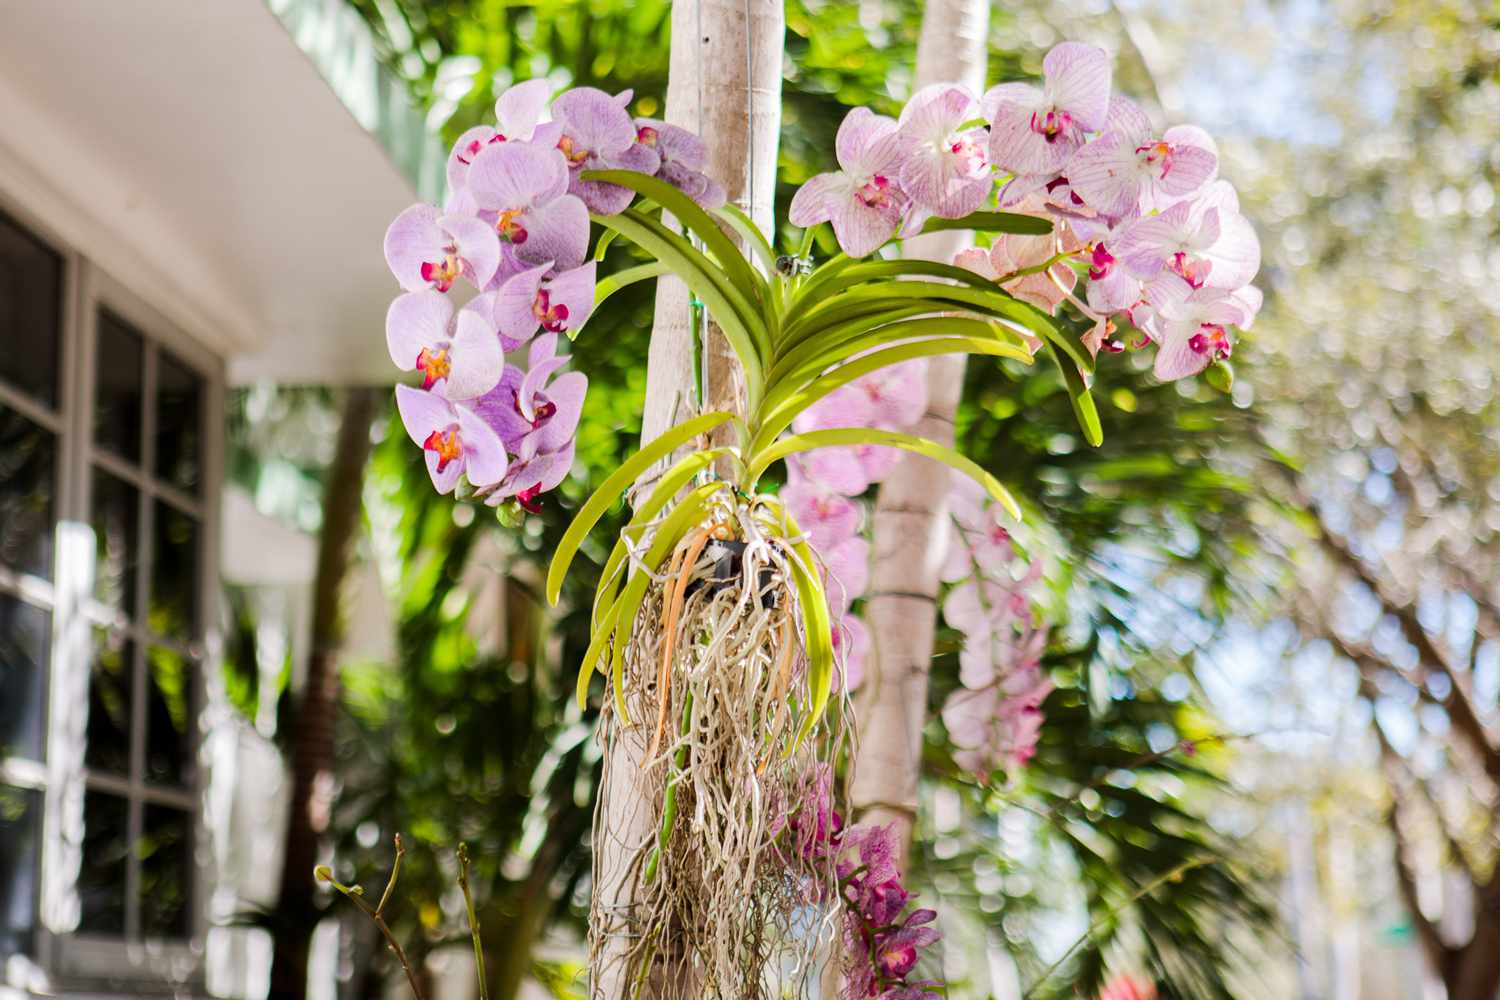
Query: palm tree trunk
{"type": "Point", "coordinates": [910, 524]}
{"type": "Point", "coordinates": [724, 84]}
{"type": "Point", "coordinates": [312, 736]}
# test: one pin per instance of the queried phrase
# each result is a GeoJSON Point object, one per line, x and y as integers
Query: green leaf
{"type": "Point", "coordinates": [740, 321]}
{"type": "Point", "coordinates": [820, 353]}
{"type": "Point", "coordinates": [671, 481]}
{"type": "Point", "coordinates": [1083, 401]}
{"type": "Point", "coordinates": [993, 222]}
{"type": "Point", "coordinates": [750, 232]}
{"type": "Point", "coordinates": [864, 271]}
{"type": "Point", "coordinates": [695, 220]}
{"type": "Point", "coordinates": [786, 401]}
{"type": "Point", "coordinates": [643, 207]}
{"type": "Point", "coordinates": [817, 626]}
{"type": "Point", "coordinates": [674, 527]}
{"type": "Point", "coordinates": [607, 286]}
{"type": "Point", "coordinates": [763, 459]}
{"type": "Point", "coordinates": [616, 483]}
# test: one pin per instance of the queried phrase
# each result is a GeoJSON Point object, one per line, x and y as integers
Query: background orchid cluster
{"type": "Point", "coordinates": [516, 228]}
{"type": "Point", "coordinates": [995, 716]}
{"type": "Point", "coordinates": [1140, 213]}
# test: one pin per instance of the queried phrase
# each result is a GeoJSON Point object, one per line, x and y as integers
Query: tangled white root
{"type": "Point", "coordinates": [700, 888]}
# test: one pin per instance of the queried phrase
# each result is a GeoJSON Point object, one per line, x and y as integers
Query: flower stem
{"type": "Point", "coordinates": [463, 883]}
{"type": "Point", "coordinates": [376, 914]}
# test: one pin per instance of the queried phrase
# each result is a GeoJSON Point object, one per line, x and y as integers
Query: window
{"type": "Point", "coordinates": [109, 419]}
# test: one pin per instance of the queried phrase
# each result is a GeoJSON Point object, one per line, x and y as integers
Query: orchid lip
{"type": "Point", "coordinates": [446, 444]}
{"type": "Point", "coordinates": [434, 365]}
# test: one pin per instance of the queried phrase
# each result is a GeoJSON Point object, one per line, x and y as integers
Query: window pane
{"type": "Point", "coordinates": [117, 392]}
{"type": "Point", "coordinates": [165, 850]}
{"type": "Point", "coordinates": [28, 476]}
{"type": "Point", "coordinates": [179, 394]}
{"type": "Point", "coordinates": [169, 709]}
{"type": "Point", "coordinates": [115, 518]}
{"type": "Point", "coordinates": [174, 574]}
{"type": "Point", "coordinates": [110, 698]}
{"type": "Point", "coordinates": [31, 277]}
{"type": "Point", "coordinates": [101, 877]}
{"type": "Point", "coordinates": [20, 847]}
{"type": "Point", "coordinates": [25, 633]}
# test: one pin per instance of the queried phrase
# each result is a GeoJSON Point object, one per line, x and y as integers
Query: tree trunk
{"type": "Point", "coordinates": [312, 737]}
{"type": "Point", "coordinates": [910, 525]}
{"type": "Point", "coordinates": [724, 84]}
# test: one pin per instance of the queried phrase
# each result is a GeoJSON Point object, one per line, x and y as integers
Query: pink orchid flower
{"type": "Point", "coordinates": [848, 572]}
{"type": "Point", "coordinates": [455, 441]}
{"type": "Point", "coordinates": [1192, 324]}
{"type": "Point", "coordinates": [1012, 252]}
{"type": "Point", "coordinates": [538, 299]}
{"type": "Point", "coordinates": [1129, 170]}
{"type": "Point", "coordinates": [945, 169]}
{"type": "Point", "coordinates": [595, 133]}
{"type": "Point", "coordinates": [518, 116]}
{"type": "Point", "coordinates": [521, 189]}
{"type": "Point", "coordinates": [863, 199]}
{"type": "Point", "coordinates": [1204, 240]}
{"type": "Point", "coordinates": [1036, 130]}
{"type": "Point", "coordinates": [426, 249]}
{"type": "Point", "coordinates": [682, 158]}
{"type": "Point", "coordinates": [825, 517]}
{"type": "Point", "coordinates": [458, 359]}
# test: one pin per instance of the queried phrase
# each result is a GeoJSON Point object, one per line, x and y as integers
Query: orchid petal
{"type": "Point", "coordinates": [414, 322]}
{"type": "Point", "coordinates": [484, 455]}
{"type": "Point", "coordinates": [520, 108]}
{"type": "Point", "coordinates": [477, 360]}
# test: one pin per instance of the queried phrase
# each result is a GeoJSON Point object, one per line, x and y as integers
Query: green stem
{"type": "Point", "coordinates": [463, 883]}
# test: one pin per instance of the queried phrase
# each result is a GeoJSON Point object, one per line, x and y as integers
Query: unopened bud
{"type": "Point", "coordinates": [1220, 375]}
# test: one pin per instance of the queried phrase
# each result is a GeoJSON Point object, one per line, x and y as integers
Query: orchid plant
{"type": "Point", "coordinates": [1101, 233]}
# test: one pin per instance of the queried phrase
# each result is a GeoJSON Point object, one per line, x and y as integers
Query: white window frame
{"type": "Point", "coordinates": [70, 958]}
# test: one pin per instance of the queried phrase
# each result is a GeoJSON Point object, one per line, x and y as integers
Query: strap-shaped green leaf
{"type": "Point", "coordinates": [616, 483]}
{"type": "Point", "coordinates": [817, 625]}
{"type": "Point", "coordinates": [1083, 400]}
{"type": "Point", "coordinates": [740, 321]}
{"type": "Point", "coordinates": [673, 528]}
{"type": "Point", "coordinates": [749, 232]}
{"type": "Point", "coordinates": [611, 284]}
{"type": "Point", "coordinates": [762, 460]}
{"type": "Point", "coordinates": [607, 238]}
{"type": "Point", "coordinates": [671, 481]}
{"type": "Point", "coordinates": [695, 220]}
{"type": "Point", "coordinates": [993, 222]}
{"type": "Point", "coordinates": [789, 401]}
{"type": "Point", "coordinates": [621, 613]}
{"type": "Point", "coordinates": [876, 270]}
{"type": "Point", "coordinates": [820, 353]}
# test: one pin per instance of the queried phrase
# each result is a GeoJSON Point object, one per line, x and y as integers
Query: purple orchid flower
{"type": "Point", "coordinates": [1205, 241]}
{"type": "Point", "coordinates": [1035, 130]}
{"type": "Point", "coordinates": [848, 570]}
{"type": "Point", "coordinates": [682, 158]}
{"type": "Point", "coordinates": [427, 249]}
{"type": "Point", "coordinates": [536, 418]}
{"type": "Point", "coordinates": [597, 134]}
{"type": "Point", "coordinates": [454, 439]}
{"type": "Point", "coordinates": [896, 953]}
{"type": "Point", "coordinates": [946, 169]}
{"type": "Point", "coordinates": [523, 187]}
{"type": "Point", "coordinates": [1128, 169]}
{"type": "Point", "coordinates": [1191, 326]}
{"type": "Point", "coordinates": [537, 299]}
{"type": "Point", "coordinates": [518, 114]}
{"type": "Point", "coordinates": [863, 199]}
{"type": "Point", "coordinates": [458, 359]}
